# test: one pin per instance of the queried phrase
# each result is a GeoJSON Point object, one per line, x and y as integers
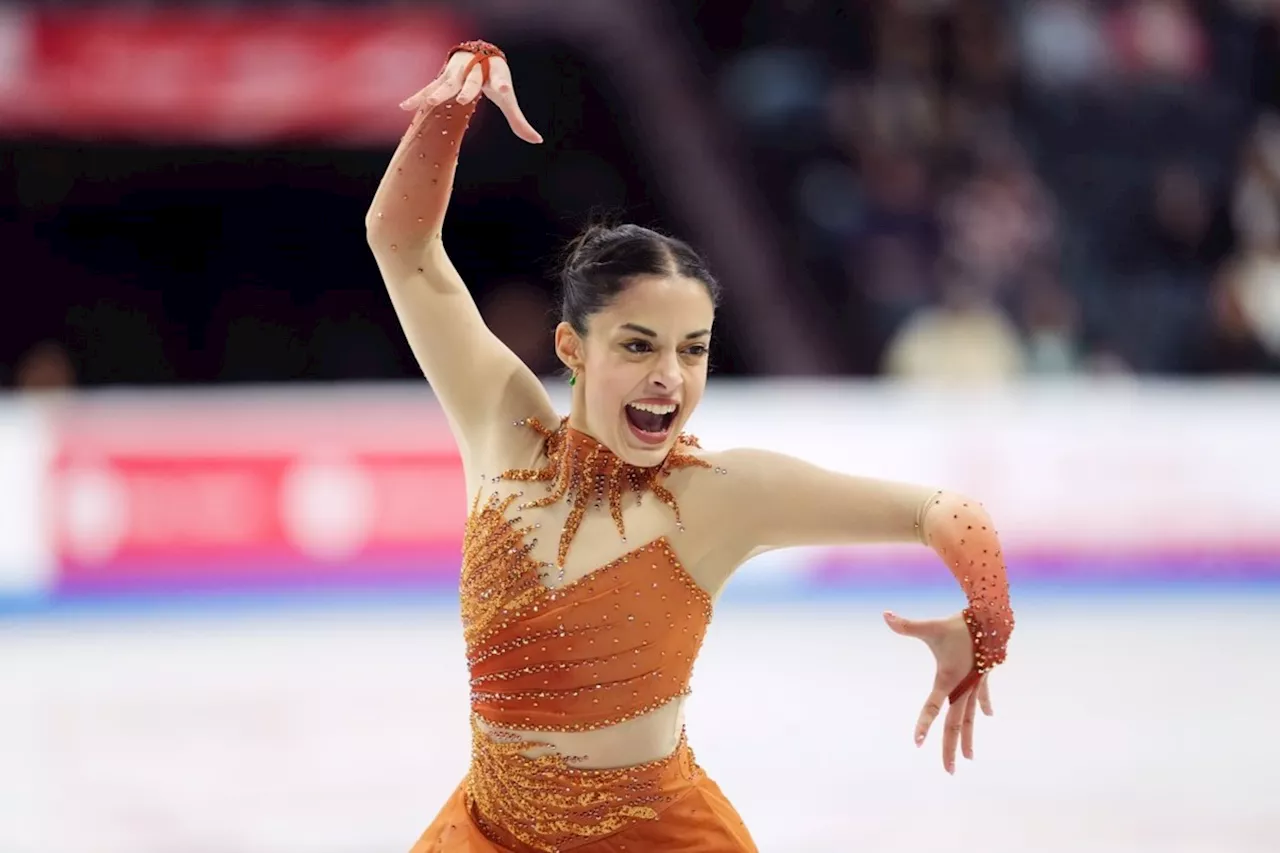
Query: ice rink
{"type": "Point", "coordinates": [1141, 721]}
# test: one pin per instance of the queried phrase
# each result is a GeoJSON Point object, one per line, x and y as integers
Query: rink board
{"type": "Point", "coordinates": [268, 492]}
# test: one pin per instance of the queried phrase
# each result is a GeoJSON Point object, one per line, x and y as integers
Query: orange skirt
{"type": "Point", "coordinates": [667, 805]}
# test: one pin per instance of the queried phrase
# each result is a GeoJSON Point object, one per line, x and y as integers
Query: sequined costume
{"type": "Point", "coordinates": [596, 668]}
{"type": "Point", "coordinates": [618, 643]}
{"type": "Point", "coordinates": [610, 646]}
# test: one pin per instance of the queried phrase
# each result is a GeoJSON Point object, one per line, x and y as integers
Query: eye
{"type": "Point", "coordinates": [638, 346]}
{"type": "Point", "coordinates": [697, 350]}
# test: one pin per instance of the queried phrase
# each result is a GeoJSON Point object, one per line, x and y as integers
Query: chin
{"type": "Point", "coordinates": [644, 457]}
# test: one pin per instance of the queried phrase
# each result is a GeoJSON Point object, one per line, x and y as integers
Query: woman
{"type": "Point", "coordinates": [585, 601]}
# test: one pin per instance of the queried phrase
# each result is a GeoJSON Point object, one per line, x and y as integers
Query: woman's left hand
{"type": "Point", "coordinates": [952, 647]}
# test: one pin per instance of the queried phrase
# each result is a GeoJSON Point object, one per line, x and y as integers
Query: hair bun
{"type": "Point", "coordinates": [601, 229]}
{"type": "Point", "coordinates": [588, 239]}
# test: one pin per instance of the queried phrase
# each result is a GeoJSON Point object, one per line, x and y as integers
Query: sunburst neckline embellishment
{"type": "Point", "coordinates": [583, 471]}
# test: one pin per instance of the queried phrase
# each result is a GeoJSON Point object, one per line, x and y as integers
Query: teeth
{"type": "Point", "coordinates": [654, 408]}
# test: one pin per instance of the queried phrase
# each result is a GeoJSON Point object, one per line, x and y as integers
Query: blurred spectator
{"type": "Point", "coordinates": [899, 236]}
{"type": "Point", "coordinates": [45, 367]}
{"type": "Point", "coordinates": [775, 92]}
{"type": "Point", "coordinates": [895, 274]}
{"type": "Point", "coordinates": [1256, 198]}
{"type": "Point", "coordinates": [1158, 40]}
{"type": "Point", "coordinates": [983, 56]}
{"type": "Point", "coordinates": [905, 47]}
{"type": "Point", "coordinates": [1229, 345]}
{"type": "Point", "coordinates": [956, 163]}
{"type": "Point", "coordinates": [1257, 289]}
{"type": "Point", "coordinates": [1050, 319]}
{"type": "Point", "coordinates": [1062, 44]}
{"type": "Point", "coordinates": [1000, 223]}
{"type": "Point", "coordinates": [1084, 167]}
{"type": "Point", "coordinates": [965, 339]}
{"type": "Point", "coordinates": [1175, 233]}
{"type": "Point", "coordinates": [1255, 273]}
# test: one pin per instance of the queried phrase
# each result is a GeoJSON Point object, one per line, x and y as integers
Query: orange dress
{"type": "Point", "coordinates": [613, 645]}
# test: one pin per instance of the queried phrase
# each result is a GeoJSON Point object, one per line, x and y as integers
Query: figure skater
{"type": "Point", "coordinates": [597, 544]}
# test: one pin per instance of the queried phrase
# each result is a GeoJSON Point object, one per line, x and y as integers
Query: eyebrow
{"type": "Point", "coordinates": [635, 327]}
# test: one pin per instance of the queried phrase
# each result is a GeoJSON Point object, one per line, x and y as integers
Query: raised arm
{"type": "Point", "coordinates": [479, 382]}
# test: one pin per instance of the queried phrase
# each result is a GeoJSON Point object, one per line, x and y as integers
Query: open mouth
{"type": "Point", "coordinates": [651, 422]}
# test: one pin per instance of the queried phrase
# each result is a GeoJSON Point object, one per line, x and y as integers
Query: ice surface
{"type": "Point", "coordinates": [1134, 722]}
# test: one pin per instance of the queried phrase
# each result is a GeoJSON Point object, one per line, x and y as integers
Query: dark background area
{"type": "Point", "coordinates": [893, 150]}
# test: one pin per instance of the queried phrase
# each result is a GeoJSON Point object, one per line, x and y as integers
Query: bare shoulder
{"type": "Point", "coordinates": [724, 489]}
{"type": "Point", "coordinates": [717, 474]}
{"type": "Point", "coordinates": [713, 489]}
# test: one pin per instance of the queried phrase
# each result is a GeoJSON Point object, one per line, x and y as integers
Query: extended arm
{"type": "Point", "coordinates": [480, 383]}
{"type": "Point", "coordinates": [773, 501]}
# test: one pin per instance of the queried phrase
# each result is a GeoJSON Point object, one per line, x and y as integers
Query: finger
{"type": "Point", "coordinates": [456, 67]}
{"type": "Point", "coordinates": [449, 83]}
{"type": "Point", "coordinates": [932, 707]}
{"type": "Point", "coordinates": [984, 697]}
{"type": "Point", "coordinates": [419, 98]}
{"type": "Point", "coordinates": [502, 92]}
{"type": "Point", "coordinates": [922, 629]}
{"type": "Point", "coordinates": [435, 93]}
{"type": "Point", "coordinates": [966, 731]}
{"type": "Point", "coordinates": [471, 86]}
{"type": "Point", "coordinates": [446, 85]}
{"type": "Point", "coordinates": [951, 734]}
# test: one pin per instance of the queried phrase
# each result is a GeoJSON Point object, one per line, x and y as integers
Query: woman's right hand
{"type": "Point", "coordinates": [451, 85]}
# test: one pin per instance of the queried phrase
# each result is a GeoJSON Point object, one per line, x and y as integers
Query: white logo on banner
{"type": "Point", "coordinates": [95, 503]}
{"type": "Point", "coordinates": [327, 508]}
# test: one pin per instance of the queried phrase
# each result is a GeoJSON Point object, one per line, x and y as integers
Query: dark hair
{"type": "Point", "coordinates": [603, 259]}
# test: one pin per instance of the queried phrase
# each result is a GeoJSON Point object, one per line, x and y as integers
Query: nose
{"type": "Point", "coordinates": [666, 373]}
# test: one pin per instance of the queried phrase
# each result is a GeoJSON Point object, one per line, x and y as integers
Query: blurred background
{"type": "Point", "coordinates": [1029, 249]}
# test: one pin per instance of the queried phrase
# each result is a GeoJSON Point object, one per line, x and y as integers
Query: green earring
{"type": "Point", "coordinates": [573, 379]}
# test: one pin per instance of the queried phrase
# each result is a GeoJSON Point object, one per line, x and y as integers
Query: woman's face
{"type": "Point", "coordinates": [642, 367]}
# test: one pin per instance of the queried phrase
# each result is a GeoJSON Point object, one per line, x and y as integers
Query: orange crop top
{"type": "Point", "coordinates": [615, 644]}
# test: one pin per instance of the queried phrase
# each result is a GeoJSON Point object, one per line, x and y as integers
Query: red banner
{"type": "Point", "coordinates": [157, 500]}
{"type": "Point", "coordinates": [239, 74]}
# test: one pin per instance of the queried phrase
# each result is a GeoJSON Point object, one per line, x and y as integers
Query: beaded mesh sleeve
{"type": "Point", "coordinates": [962, 534]}
{"type": "Point", "coordinates": [409, 209]}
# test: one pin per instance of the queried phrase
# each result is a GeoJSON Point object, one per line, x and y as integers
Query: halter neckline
{"type": "Point", "coordinates": [583, 471]}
